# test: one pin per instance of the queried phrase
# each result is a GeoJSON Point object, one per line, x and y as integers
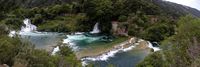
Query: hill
{"type": "Point", "coordinates": [176, 9]}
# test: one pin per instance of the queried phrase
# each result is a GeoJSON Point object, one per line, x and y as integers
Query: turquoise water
{"type": "Point", "coordinates": [87, 40]}
{"type": "Point", "coordinates": [90, 42]}
{"type": "Point", "coordinates": [126, 59]}
{"type": "Point", "coordinates": [43, 40]}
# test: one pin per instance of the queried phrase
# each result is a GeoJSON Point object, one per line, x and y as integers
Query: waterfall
{"type": "Point", "coordinates": [27, 29]}
{"type": "Point", "coordinates": [154, 48]}
{"type": "Point", "coordinates": [95, 29]}
{"type": "Point", "coordinates": [28, 26]}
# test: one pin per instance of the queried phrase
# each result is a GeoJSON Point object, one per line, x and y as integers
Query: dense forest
{"type": "Point", "coordinates": [152, 20]}
{"type": "Point", "coordinates": [179, 50]}
{"type": "Point", "coordinates": [70, 16]}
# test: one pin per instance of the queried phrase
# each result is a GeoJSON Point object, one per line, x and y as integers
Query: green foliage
{"type": "Point", "coordinates": [13, 52]}
{"type": "Point", "coordinates": [150, 27]}
{"type": "Point", "coordinates": [153, 60]}
{"type": "Point", "coordinates": [64, 51]}
{"type": "Point", "coordinates": [94, 11]}
{"type": "Point", "coordinates": [71, 16]}
{"type": "Point", "coordinates": [99, 10]}
{"type": "Point", "coordinates": [12, 23]}
{"type": "Point", "coordinates": [38, 19]}
{"type": "Point", "coordinates": [69, 23]}
{"type": "Point", "coordinates": [8, 49]}
{"type": "Point", "coordinates": [180, 50]}
{"type": "Point", "coordinates": [158, 32]}
{"type": "Point", "coordinates": [3, 29]}
{"type": "Point", "coordinates": [122, 18]}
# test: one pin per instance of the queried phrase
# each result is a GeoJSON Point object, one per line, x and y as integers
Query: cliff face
{"type": "Point", "coordinates": [119, 28]}
{"type": "Point", "coordinates": [176, 9]}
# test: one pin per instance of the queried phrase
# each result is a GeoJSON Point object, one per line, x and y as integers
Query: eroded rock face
{"type": "Point", "coordinates": [133, 40]}
{"type": "Point", "coordinates": [119, 29]}
{"type": "Point", "coordinates": [139, 43]}
{"type": "Point", "coordinates": [143, 45]}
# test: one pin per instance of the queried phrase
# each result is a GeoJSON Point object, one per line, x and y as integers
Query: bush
{"type": "Point", "coordinates": [179, 50]}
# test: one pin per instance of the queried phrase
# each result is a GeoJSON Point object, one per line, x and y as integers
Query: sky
{"type": "Point", "coordinates": [191, 3]}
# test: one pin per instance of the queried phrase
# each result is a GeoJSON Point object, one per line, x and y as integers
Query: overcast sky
{"type": "Point", "coordinates": [191, 3]}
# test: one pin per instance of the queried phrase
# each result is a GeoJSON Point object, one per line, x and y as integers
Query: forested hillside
{"type": "Point", "coordinates": [152, 20]}
{"type": "Point", "coordinates": [69, 16]}
{"type": "Point", "coordinates": [176, 9]}
{"type": "Point", "coordinates": [179, 50]}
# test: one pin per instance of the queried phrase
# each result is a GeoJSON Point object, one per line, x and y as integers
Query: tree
{"type": "Point", "coordinates": [180, 49]}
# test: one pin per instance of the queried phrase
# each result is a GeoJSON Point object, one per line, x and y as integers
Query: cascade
{"type": "Point", "coordinates": [154, 48]}
{"type": "Point", "coordinates": [95, 29]}
{"type": "Point", "coordinates": [28, 26]}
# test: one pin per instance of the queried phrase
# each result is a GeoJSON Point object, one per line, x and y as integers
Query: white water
{"type": "Point", "coordinates": [78, 37]}
{"type": "Point", "coordinates": [95, 29]}
{"type": "Point", "coordinates": [28, 29]}
{"type": "Point", "coordinates": [112, 53]}
{"type": "Point", "coordinates": [28, 26]}
{"type": "Point", "coordinates": [150, 45]}
{"type": "Point", "coordinates": [103, 57]}
{"type": "Point", "coordinates": [71, 45]}
{"type": "Point", "coordinates": [82, 37]}
{"type": "Point", "coordinates": [12, 33]}
{"type": "Point", "coordinates": [55, 50]}
{"type": "Point", "coordinates": [107, 55]}
{"type": "Point", "coordinates": [25, 30]}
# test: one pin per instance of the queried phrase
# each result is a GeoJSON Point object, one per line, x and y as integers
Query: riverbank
{"type": "Point", "coordinates": [99, 48]}
{"type": "Point", "coordinates": [126, 44]}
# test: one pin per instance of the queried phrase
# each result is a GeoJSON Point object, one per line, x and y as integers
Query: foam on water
{"type": "Point", "coordinates": [12, 33]}
{"type": "Point", "coordinates": [71, 45]}
{"type": "Point", "coordinates": [112, 53]}
{"type": "Point", "coordinates": [128, 49]}
{"type": "Point", "coordinates": [28, 26]}
{"type": "Point", "coordinates": [79, 37]}
{"type": "Point", "coordinates": [29, 29]}
{"type": "Point", "coordinates": [82, 37]}
{"type": "Point", "coordinates": [55, 50]}
{"type": "Point", "coordinates": [40, 39]}
{"type": "Point", "coordinates": [25, 30]}
{"type": "Point", "coordinates": [79, 33]}
{"type": "Point", "coordinates": [103, 57]}
{"type": "Point", "coordinates": [150, 45]}
{"type": "Point", "coordinates": [107, 55]}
